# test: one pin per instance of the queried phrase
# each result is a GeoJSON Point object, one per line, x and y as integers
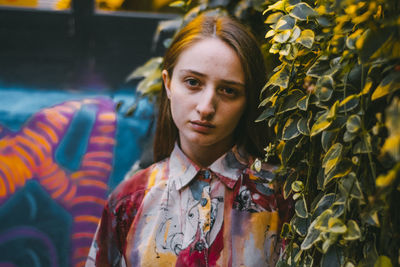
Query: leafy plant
{"type": "Point", "coordinates": [333, 101]}
{"type": "Point", "coordinates": [339, 72]}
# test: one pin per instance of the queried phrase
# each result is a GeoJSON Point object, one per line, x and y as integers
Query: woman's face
{"type": "Point", "coordinates": [207, 96]}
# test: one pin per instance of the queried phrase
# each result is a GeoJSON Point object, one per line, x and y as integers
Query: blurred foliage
{"type": "Point", "coordinates": [333, 101]}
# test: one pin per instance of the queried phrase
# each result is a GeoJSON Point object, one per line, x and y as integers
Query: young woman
{"type": "Point", "coordinates": [201, 204]}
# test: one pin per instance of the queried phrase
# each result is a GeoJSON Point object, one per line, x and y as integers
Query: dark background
{"type": "Point", "coordinates": [80, 48]}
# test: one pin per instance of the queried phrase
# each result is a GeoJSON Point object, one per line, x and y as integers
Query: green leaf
{"type": "Point", "coordinates": [296, 196]}
{"type": "Point", "coordinates": [290, 101]}
{"type": "Point", "coordinates": [286, 230]}
{"type": "Point", "coordinates": [328, 138]}
{"type": "Point", "coordinates": [271, 98]}
{"type": "Point", "coordinates": [388, 85]}
{"type": "Point", "coordinates": [371, 218]}
{"type": "Point", "coordinates": [303, 102]}
{"type": "Point", "coordinates": [341, 169]}
{"type": "Point", "coordinates": [319, 68]}
{"type": "Point", "coordinates": [300, 208]}
{"type": "Point", "coordinates": [294, 51]}
{"type": "Point", "coordinates": [338, 122]}
{"type": "Point", "coordinates": [330, 239]}
{"type": "Point", "coordinates": [300, 225]}
{"type": "Point", "coordinates": [306, 38]}
{"type": "Point", "coordinates": [280, 5]}
{"type": "Point", "coordinates": [285, 23]}
{"type": "Point", "coordinates": [321, 124]}
{"type": "Point", "coordinates": [337, 209]}
{"type": "Point", "coordinates": [297, 186]}
{"type": "Point", "coordinates": [179, 4]}
{"type": "Point", "coordinates": [353, 124]}
{"type": "Point", "coordinates": [324, 87]}
{"type": "Point", "coordinates": [383, 261]}
{"type": "Point", "coordinates": [288, 150]}
{"type": "Point", "coordinates": [313, 236]}
{"type": "Point", "coordinates": [290, 128]}
{"type": "Point", "coordinates": [269, 34]}
{"type": "Point", "coordinates": [348, 137]}
{"type": "Point", "coordinates": [351, 186]}
{"type": "Point", "coordinates": [322, 220]}
{"type": "Point", "coordinates": [298, 256]}
{"type": "Point", "coordinates": [336, 226]}
{"type": "Point", "coordinates": [353, 231]}
{"type": "Point", "coordinates": [280, 78]}
{"type": "Point", "coordinates": [147, 69]}
{"type": "Point", "coordinates": [370, 41]}
{"type": "Point", "coordinates": [323, 21]}
{"type": "Point", "coordinates": [273, 18]}
{"type": "Point", "coordinates": [363, 146]}
{"type": "Point", "coordinates": [287, 186]}
{"type": "Point", "coordinates": [332, 157]}
{"type": "Point", "coordinates": [303, 124]}
{"type": "Point", "coordinates": [285, 50]}
{"type": "Point", "coordinates": [267, 113]}
{"type": "Point", "coordinates": [151, 84]}
{"type": "Point", "coordinates": [349, 103]}
{"type": "Point", "coordinates": [352, 38]}
{"type": "Point", "coordinates": [308, 261]}
{"type": "Point", "coordinates": [333, 111]}
{"type": "Point", "coordinates": [295, 34]}
{"type": "Point", "coordinates": [282, 37]}
{"type": "Point", "coordinates": [333, 257]}
{"type": "Point", "coordinates": [302, 11]}
{"type": "Point", "coordinates": [323, 204]}
{"type": "Point", "coordinates": [275, 48]}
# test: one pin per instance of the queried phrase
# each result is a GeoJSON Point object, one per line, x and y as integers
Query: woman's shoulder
{"type": "Point", "coordinates": [137, 181]}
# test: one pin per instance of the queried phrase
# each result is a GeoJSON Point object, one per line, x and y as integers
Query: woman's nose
{"type": "Point", "coordinates": [206, 105]}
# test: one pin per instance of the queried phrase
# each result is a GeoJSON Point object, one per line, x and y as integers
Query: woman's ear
{"type": "Point", "coordinates": [167, 82]}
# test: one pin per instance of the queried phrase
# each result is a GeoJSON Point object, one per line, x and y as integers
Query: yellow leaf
{"type": "Point", "coordinates": [392, 146]}
{"type": "Point", "coordinates": [321, 124]}
{"type": "Point", "coordinates": [383, 261]}
{"type": "Point", "coordinates": [335, 225]}
{"type": "Point", "coordinates": [367, 87]}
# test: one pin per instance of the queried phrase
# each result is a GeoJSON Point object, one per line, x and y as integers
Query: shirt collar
{"type": "Point", "coordinates": [182, 170]}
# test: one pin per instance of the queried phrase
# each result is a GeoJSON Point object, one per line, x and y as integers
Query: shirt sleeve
{"type": "Point", "coordinates": [109, 242]}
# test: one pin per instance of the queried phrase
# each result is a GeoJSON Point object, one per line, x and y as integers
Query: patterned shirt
{"type": "Point", "coordinates": [176, 214]}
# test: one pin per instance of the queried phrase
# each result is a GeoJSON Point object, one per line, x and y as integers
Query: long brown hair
{"type": "Point", "coordinates": [248, 134]}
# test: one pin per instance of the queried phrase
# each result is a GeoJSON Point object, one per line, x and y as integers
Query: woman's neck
{"type": "Point", "coordinates": [204, 156]}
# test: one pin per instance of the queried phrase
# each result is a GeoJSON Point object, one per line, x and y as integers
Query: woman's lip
{"type": "Point", "coordinates": [202, 127]}
{"type": "Point", "coordinates": [203, 124]}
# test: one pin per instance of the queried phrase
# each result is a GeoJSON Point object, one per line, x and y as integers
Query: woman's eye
{"type": "Point", "coordinates": [228, 91]}
{"type": "Point", "coordinates": [192, 82]}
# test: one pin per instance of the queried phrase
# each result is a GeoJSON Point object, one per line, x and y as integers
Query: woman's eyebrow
{"type": "Point", "coordinates": [185, 71]}
{"type": "Point", "coordinates": [233, 83]}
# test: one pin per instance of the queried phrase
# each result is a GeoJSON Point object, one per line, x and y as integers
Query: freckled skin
{"type": "Point", "coordinates": [207, 96]}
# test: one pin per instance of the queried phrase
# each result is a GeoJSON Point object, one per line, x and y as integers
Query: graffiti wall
{"type": "Point", "coordinates": [60, 155]}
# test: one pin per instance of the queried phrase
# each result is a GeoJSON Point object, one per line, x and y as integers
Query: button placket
{"type": "Point", "coordinates": [205, 208]}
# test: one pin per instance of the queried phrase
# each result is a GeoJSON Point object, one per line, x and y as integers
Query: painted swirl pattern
{"type": "Point", "coordinates": [75, 176]}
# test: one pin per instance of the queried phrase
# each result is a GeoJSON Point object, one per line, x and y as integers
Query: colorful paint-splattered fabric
{"type": "Point", "coordinates": [176, 214]}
